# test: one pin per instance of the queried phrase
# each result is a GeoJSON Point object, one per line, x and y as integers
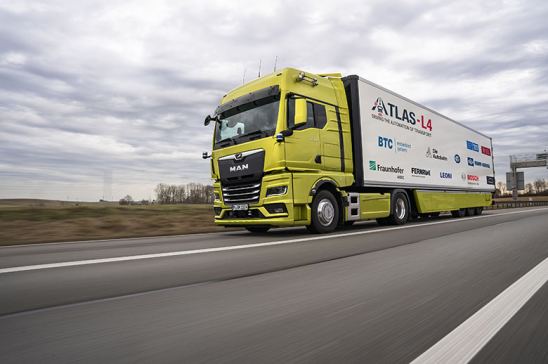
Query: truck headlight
{"type": "Point", "coordinates": [276, 191]}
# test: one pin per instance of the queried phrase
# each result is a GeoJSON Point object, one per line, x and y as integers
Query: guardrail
{"type": "Point", "coordinates": [514, 204]}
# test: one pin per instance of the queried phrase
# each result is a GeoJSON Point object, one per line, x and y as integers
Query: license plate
{"type": "Point", "coordinates": [240, 207]}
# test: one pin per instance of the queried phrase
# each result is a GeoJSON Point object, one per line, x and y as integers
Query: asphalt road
{"type": "Point", "coordinates": [364, 294]}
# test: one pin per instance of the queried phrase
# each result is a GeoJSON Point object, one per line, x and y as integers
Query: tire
{"type": "Point", "coordinates": [479, 210]}
{"type": "Point", "coordinates": [458, 213]}
{"type": "Point", "coordinates": [470, 211]}
{"type": "Point", "coordinates": [257, 229]}
{"type": "Point", "coordinates": [399, 209]}
{"type": "Point", "coordinates": [325, 213]}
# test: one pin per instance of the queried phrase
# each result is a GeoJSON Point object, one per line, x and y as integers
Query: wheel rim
{"type": "Point", "coordinates": [326, 212]}
{"type": "Point", "coordinates": [400, 209]}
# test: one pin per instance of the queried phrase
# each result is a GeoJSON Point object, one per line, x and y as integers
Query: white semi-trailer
{"type": "Point", "coordinates": [406, 144]}
{"type": "Point", "coordinates": [321, 150]}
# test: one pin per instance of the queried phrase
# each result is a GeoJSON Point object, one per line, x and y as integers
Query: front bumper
{"type": "Point", "coordinates": [258, 213]}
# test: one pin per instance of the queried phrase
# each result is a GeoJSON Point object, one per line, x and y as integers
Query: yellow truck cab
{"type": "Point", "coordinates": [294, 149]}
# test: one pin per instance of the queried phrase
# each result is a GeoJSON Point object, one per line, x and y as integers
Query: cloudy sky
{"type": "Point", "coordinates": [98, 90]}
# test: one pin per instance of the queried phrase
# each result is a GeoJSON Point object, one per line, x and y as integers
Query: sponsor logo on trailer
{"type": "Point", "coordinates": [485, 165]}
{"type": "Point", "coordinates": [485, 150]}
{"type": "Point", "coordinates": [433, 153]}
{"type": "Point", "coordinates": [472, 179]}
{"type": "Point", "coordinates": [490, 180]}
{"type": "Point", "coordinates": [241, 167]}
{"type": "Point", "coordinates": [402, 147]}
{"type": "Point", "coordinates": [380, 168]}
{"type": "Point", "coordinates": [477, 163]}
{"type": "Point", "coordinates": [472, 146]}
{"type": "Point", "coordinates": [387, 109]}
{"type": "Point", "coordinates": [470, 161]}
{"type": "Point", "coordinates": [419, 172]}
{"type": "Point", "coordinates": [457, 158]}
{"type": "Point", "coordinates": [447, 175]}
{"type": "Point", "coordinates": [390, 143]}
{"type": "Point", "coordinates": [384, 142]}
{"type": "Point", "coordinates": [463, 176]}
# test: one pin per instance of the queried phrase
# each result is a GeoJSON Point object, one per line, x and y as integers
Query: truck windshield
{"type": "Point", "coordinates": [250, 121]}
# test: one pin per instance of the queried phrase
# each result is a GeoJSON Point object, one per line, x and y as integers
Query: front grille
{"type": "Point", "coordinates": [242, 193]}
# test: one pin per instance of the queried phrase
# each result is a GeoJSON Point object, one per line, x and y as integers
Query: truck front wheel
{"type": "Point", "coordinates": [325, 213]}
{"type": "Point", "coordinates": [400, 209]}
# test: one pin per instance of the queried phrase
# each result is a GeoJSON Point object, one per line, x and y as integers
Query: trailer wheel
{"type": "Point", "coordinates": [400, 209]}
{"type": "Point", "coordinates": [257, 229]}
{"type": "Point", "coordinates": [479, 210]}
{"type": "Point", "coordinates": [325, 213]}
{"type": "Point", "coordinates": [458, 213]}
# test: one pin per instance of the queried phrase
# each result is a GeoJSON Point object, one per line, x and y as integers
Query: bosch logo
{"type": "Point", "coordinates": [472, 178]}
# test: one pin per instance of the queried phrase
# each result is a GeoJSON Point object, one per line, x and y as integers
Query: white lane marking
{"type": "Point", "coordinates": [464, 342]}
{"type": "Point", "coordinates": [237, 247]}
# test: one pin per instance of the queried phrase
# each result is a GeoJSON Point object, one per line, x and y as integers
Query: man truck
{"type": "Point", "coordinates": [321, 150]}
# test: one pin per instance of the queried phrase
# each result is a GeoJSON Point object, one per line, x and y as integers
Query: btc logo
{"type": "Point", "coordinates": [386, 142]}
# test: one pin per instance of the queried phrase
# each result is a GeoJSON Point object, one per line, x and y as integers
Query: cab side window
{"type": "Point", "coordinates": [316, 115]}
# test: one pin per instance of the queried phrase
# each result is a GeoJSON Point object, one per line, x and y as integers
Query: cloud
{"type": "Point", "coordinates": [91, 88]}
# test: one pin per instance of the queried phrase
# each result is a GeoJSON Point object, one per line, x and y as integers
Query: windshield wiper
{"type": "Point", "coordinates": [262, 132]}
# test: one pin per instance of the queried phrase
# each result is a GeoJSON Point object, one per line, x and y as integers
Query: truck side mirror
{"type": "Point", "coordinates": [300, 113]}
{"type": "Point", "coordinates": [207, 120]}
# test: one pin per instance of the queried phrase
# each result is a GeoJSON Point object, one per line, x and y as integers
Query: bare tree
{"type": "Point", "coordinates": [127, 200]}
{"type": "Point", "coordinates": [189, 193]}
{"type": "Point", "coordinates": [540, 185]}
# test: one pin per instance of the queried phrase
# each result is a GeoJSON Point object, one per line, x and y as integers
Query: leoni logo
{"type": "Point", "coordinates": [448, 175]}
{"type": "Point", "coordinates": [401, 114]}
{"type": "Point", "coordinates": [240, 167]}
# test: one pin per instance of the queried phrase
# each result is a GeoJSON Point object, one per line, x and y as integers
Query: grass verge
{"type": "Point", "coordinates": [27, 222]}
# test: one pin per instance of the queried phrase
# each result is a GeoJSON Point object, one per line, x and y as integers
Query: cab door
{"type": "Point", "coordinates": [303, 149]}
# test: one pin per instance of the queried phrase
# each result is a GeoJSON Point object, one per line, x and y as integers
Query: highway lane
{"type": "Point", "coordinates": [383, 296]}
